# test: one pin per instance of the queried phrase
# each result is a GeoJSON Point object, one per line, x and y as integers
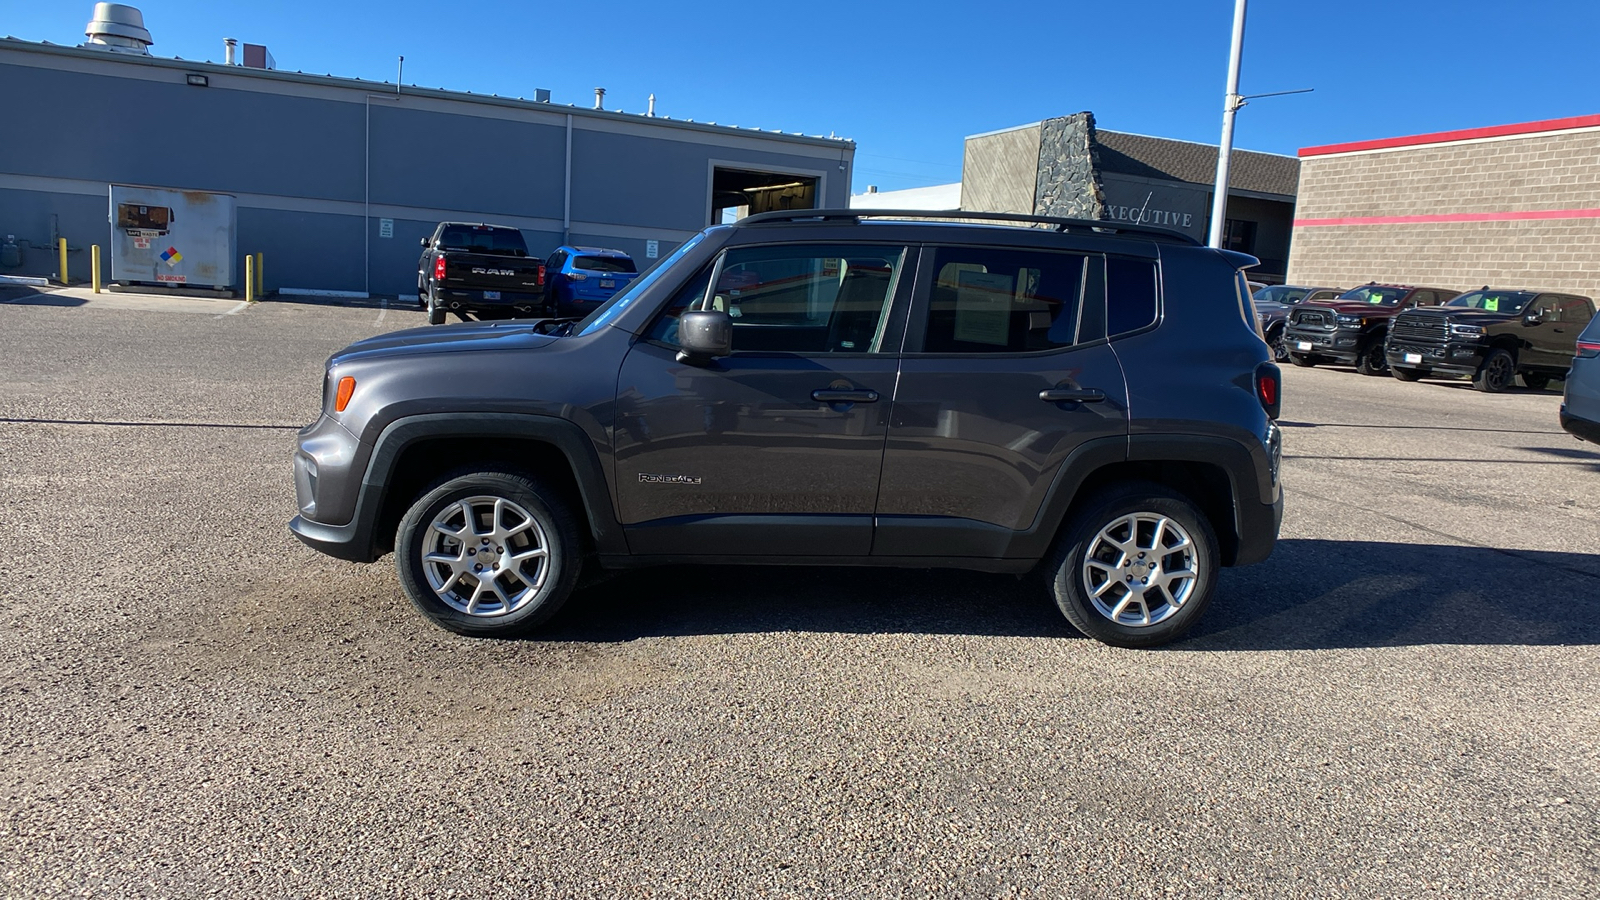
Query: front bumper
{"type": "Point", "coordinates": [1341, 344]}
{"type": "Point", "coordinates": [1453, 358]}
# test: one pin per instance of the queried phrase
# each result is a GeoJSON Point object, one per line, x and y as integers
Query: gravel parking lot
{"type": "Point", "coordinates": [1401, 702]}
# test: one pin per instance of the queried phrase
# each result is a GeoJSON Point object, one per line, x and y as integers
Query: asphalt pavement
{"type": "Point", "coordinates": [1400, 702]}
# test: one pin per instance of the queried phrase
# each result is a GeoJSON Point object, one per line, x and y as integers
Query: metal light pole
{"type": "Point", "coordinates": [1230, 106]}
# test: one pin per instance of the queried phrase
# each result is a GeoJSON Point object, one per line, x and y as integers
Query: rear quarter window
{"type": "Point", "coordinates": [1130, 294]}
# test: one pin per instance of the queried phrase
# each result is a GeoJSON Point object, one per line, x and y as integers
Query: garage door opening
{"type": "Point", "coordinates": [736, 193]}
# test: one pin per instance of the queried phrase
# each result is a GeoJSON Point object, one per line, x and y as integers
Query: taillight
{"type": "Point", "coordinates": [541, 274]}
{"type": "Point", "coordinates": [438, 268]}
{"type": "Point", "coordinates": [1269, 388]}
{"type": "Point", "coordinates": [1589, 349]}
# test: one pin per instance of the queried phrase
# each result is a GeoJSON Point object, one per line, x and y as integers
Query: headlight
{"type": "Point", "coordinates": [1468, 330]}
{"type": "Point", "coordinates": [1349, 320]}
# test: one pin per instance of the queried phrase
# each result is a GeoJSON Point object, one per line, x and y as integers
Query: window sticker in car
{"type": "Point", "coordinates": [1491, 303]}
{"type": "Point", "coordinates": [983, 307]}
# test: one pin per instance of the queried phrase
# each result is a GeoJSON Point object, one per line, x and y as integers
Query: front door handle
{"type": "Point", "coordinates": [1072, 395]}
{"type": "Point", "coordinates": [833, 395]}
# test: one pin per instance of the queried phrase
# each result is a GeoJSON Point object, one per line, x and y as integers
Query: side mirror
{"type": "Point", "coordinates": [704, 335]}
{"type": "Point", "coordinates": [1533, 318]}
{"type": "Point", "coordinates": [424, 242]}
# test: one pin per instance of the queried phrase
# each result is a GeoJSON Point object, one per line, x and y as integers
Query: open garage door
{"type": "Point", "coordinates": [736, 193]}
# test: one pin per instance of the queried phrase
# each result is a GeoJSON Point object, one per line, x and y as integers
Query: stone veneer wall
{"type": "Point", "coordinates": [1068, 180]}
{"type": "Point", "coordinates": [1526, 173]}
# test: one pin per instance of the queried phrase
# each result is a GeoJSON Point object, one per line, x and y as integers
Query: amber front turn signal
{"type": "Point", "coordinates": [347, 386]}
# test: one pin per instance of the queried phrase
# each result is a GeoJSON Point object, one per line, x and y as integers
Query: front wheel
{"type": "Point", "coordinates": [1371, 361]}
{"type": "Point", "coordinates": [1280, 349]}
{"type": "Point", "coordinates": [488, 554]}
{"type": "Point", "coordinates": [1535, 381]}
{"type": "Point", "coordinates": [1496, 373]}
{"type": "Point", "coordinates": [1135, 567]}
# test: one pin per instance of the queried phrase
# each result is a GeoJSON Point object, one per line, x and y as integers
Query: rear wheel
{"type": "Point", "coordinates": [1135, 567]}
{"type": "Point", "coordinates": [435, 311]}
{"type": "Point", "coordinates": [488, 554]}
{"type": "Point", "coordinates": [1496, 373]}
{"type": "Point", "coordinates": [1304, 362]}
{"type": "Point", "coordinates": [1405, 374]}
{"type": "Point", "coordinates": [1370, 360]}
{"type": "Point", "coordinates": [1535, 381]}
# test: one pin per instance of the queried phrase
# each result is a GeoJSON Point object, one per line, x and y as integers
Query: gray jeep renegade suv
{"type": "Point", "coordinates": [1086, 400]}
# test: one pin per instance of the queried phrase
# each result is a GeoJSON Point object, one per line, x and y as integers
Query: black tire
{"type": "Point", "coordinates": [1133, 509]}
{"type": "Point", "coordinates": [1535, 381]}
{"type": "Point", "coordinates": [511, 514]}
{"type": "Point", "coordinates": [1496, 373]}
{"type": "Point", "coordinates": [1280, 350]}
{"type": "Point", "coordinates": [1370, 359]}
{"type": "Point", "coordinates": [435, 311]}
{"type": "Point", "coordinates": [1405, 374]}
{"type": "Point", "coordinates": [1304, 362]}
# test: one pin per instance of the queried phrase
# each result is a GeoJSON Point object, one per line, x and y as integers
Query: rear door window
{"type": "Point", "coordinates": [1002, 300]}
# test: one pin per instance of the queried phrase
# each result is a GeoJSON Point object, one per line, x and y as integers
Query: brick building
{"type": "Point", "coordinates": [1511, 206]}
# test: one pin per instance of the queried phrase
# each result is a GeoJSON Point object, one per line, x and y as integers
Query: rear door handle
{"type": "Point", "coordinates": [831, 395]}
{"type": "Point", "coordinates": [1072, 395]}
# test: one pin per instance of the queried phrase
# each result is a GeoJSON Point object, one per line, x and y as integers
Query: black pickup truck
{"type": "Point", "coordinates": [482, 270]}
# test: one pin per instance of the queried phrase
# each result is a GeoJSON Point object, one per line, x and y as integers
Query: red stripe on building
{"type": "Point", "coordinates": [1527, 215]}
{"type": "Point", "coordinates": [1445, 137]}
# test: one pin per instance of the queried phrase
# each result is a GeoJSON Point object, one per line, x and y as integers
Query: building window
{"type": "Point", "coordinates": [1240, 235]}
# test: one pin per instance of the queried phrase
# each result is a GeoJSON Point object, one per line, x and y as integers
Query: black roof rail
{"type": "Point", "coordinates": [1090, 226]}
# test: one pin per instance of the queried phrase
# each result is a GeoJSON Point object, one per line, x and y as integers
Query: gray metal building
{"type": "Point", "coordinates": [337, 179]}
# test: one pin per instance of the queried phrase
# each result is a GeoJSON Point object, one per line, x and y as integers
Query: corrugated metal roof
{"type": "Point", "coordinates": [1165, 158]}
{"type": "Point", "coordinates": [410, 90]}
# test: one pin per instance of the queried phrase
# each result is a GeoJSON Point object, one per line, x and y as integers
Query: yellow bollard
{"type": "Point", "coordinates": [94, 267]}
{"type": "Point", "coordinates": [63, 244]}
{"type": "Point", "coordinates": [249, 278]}
{"type": "Point", "coordinates": [260, 278]}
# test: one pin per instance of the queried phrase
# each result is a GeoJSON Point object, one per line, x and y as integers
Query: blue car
{"type": "Point", "coordinates": [578, 279]}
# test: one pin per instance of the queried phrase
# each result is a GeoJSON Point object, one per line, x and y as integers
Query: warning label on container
{"type": "Point", "coordinates": [171, 279]}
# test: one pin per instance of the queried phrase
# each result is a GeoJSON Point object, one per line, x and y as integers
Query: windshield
{"type": "Point", "coordinates": [608, 312]}
{"type": "Point", "coordinates": [1281, 294]}
{"type": "Point", "coordinates": [604, 264]}
{"type": "Point", "coordinates": [483, 239]}
{"type": "Point", "coordinates": [1493, 301]}
{"type": "Point", "coordinates": [1378, 296]}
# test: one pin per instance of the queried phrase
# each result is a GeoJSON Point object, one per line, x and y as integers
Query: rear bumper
{"type": "Point", "coordinates": [475, 298]}
{"type": "Point", "coordinates": [1579, 427]}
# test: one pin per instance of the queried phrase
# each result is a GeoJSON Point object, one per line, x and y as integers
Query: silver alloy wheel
{"type": "Point", "coordinates": [486, 556]}
{"type": "Point", "coordinates": [1140, 569]}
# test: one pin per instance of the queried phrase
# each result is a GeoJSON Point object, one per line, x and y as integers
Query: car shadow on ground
{"type": "Point", "coordinates": [275, 299]}
{"type": "Point", "coordinates": [1311, 595]}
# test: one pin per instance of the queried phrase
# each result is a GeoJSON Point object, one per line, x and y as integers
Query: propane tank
{"type": "Point", "coordinates": [10, 253]}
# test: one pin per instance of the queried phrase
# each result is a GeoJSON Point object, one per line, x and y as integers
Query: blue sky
{"type": "Point", "coordinates": [909, 80]}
